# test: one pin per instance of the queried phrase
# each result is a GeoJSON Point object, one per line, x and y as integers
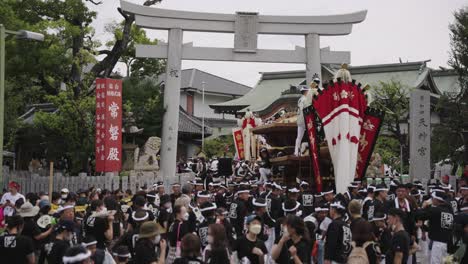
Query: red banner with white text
{"type": "Point", "coordinates": [309, 118]}
{"type": "Point", "coordinates": [372, 122]}
{"type": "Point", "coordinates": [108, 125]}
{"type": "Point", "coordinates": [238, 142]}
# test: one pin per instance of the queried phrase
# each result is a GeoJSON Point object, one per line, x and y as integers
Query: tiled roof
{"type": "Point", "coordinates": [189, 124]}
{"type": "Point", "coordinates": [192, 79]}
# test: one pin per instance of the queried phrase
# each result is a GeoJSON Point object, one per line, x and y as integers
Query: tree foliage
{"type": "Point", "coordinates": [455, 107]}
{"type": "Point", "coordinates": [61, 70]}
{"type": "Point", "coordinates": [218, 146]}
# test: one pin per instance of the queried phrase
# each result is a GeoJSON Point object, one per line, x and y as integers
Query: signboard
{"type": "Point", "coordinates": [245, 34]}
{"type": "Point", "coordinates": [108, 143]}
{"type": "Point", "coordinates": [238, 142]}
{"type": "Point", "coordinates": [420, 135]}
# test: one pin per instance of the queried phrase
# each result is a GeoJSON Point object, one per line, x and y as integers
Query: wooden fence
{"type": "Point", "coordinates": [32, 182]}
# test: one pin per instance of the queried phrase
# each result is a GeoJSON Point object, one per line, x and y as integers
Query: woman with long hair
{"type": "Point", "coordinates": [216, 251]}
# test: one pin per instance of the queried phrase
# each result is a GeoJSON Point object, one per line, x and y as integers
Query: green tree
{"type": "Point", "coordinates": [61, 70]}
{"type": "Point", "coordinates": [455, 107]}
{"type": "Point", "coordinates": [392, 98]}
{"type": "Point", "coordinates": [218, 146]}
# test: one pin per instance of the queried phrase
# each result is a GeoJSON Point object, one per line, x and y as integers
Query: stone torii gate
{"type": "Point", "coordinates": [246, 26]}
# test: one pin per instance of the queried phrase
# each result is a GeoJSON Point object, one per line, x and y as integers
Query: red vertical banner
{"type": "Point", "coordinates": [309, 118]}
{"type": "Point", "coordinates": [238, 142]}
{"type": "Point", "coordinates": [369, 132]}
{"type": "Point", "coordinates": [108, 125]}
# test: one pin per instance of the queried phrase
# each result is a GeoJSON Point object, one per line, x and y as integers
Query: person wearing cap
{"type": "Point", "coordinates": [63, 195]}
{"type": "Point", "coordinates": [15, 247]}
{"type": "Point", "coordinates": [56, 249]}
{"type": "Point", "coordinates": [9, 199]}
{"type": "Point", "coordinates": [150, 248]}
{"type": "Point", "coordinates": [441, 223]}
{"type": "Point", "coordinates": [399, 250]}
{"type": "Point", "coordinates": [239, 210]}
{"type": "Point", "coordinates": [121, 254]}
{"type": "Point", "coordinates": [31, 229]}
{"type": "Point", "coordinates": [248, 246]}
{"type": "Point", "coordinates": [338, 236]}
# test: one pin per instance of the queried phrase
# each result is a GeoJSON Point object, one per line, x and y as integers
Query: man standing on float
{"type": "Point", "coordinates": [304, 101]}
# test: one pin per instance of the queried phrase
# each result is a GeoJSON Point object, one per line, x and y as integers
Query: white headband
{"type": "Point", "coordinates": [337, 205]}
{"type": "Point", "coordinates": [380, 189]}
{"type": "Point", "coordinates": [60, 209]}
{"type": "Point", "coordinates": [293, 190]}
{"type": "Point", "coordinates": [434, 195]}
{"type": "Point", "coordinates": [122, 256]}
{"type": "Point", "coordinates": [292, 209]}
{"type": "Point", "coordinates": [89, 244]}
{"type": "Point", "coordinates": [77, 258]}
{"type": "Point", "coordinates": [243, 191]}
{"type": "Point", "coordinates": [200, 195]}
{"type": "Point", "coordinates": [379, 218]}
{"type": "Point", "coordinates": [327, 192]}
{"type": "Point", "coordinates": [321, 209]}
{"type": "Point", "coordinates": [151, 195]}
{"type": "Point", "coordinates": [212, 207]}
{"type": "Point", "coordinates": [141, 218]}
{"type": "Point", "coordinates": [254, 202]}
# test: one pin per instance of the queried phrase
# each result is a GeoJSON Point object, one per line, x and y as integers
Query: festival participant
{"type": "Point", "coordinates": [98, 255]}
{"type": "Point", "coordinates": [151, 204]}
{"type": "Point", "coordinates": [165, 217]}
{"type": "Point", "coordinates": [15, 247]}
{"type": "Point", "coordinates": [222, 219]}
{"type": "Point", "coordinates": [175, 192]}
{"type": "Point", "coordinates": [392, 191]}
{"type": "Point", "coordinates": [10, 198]}
{"type": "Point", "coordinates": [441, 221]}
{"type": "Point", "coordinates": [363, 238]}
{"type": "Point", "coordinates": [268, 223]}
{"type": "Point", "coordinates": [207, 210]}
{"type": "Point", "coordinates": [64, 193]}
{"type": "Point", "coordinates": [239, 210]}
{"type": "Point", "coordinates": [186, 196]}
{"type": "Point", "coordinates": [195, 216]}
{"type": "Point", "coordinates": [150, 248]}
{"type": "Point", "coordinates": [265, 169]}
{"type": "Point", "coordinates": [190, 250]}
{"type": "Point", "coordinates": [338, 236]}
{"type": "Point", "coordinates": [382, 233]}
{"type": "Point", "coordinates": [121, 255]}
{"type": "Point", "coordinates": [328, 195]}
{"type": "Point", "coordinates": [306, 199]}
{"type": "Point", "coordinates": [248, 246]}
{"type": "Point", "coordinates": [398, 252]}
{"type": "Point", "coordinates": [177, 231]}
{"type": "Point", "coordinates": [217, 249]}
{"type": "Point", "coordinates": [274, 201]}
{"type": "Point", "coordinates": [119, 219]}
{"type": "Point", "coordinates": [368, 207]}
{"type": "Point", "coordinates": [57, 248]}
{"type": "Point", "coordinates": [380, 198]}
{"type": "Point", "coordinates": [131, 236]}
{"type": "Point", "coordinates": [67, 213]}
{"type": "Point", "coordinates": [31, 229]}
{"type": "Point", "coordinates": [295, 245]}
{"type": "Point", "coordinates": [77, 255]}
{"type": "Point", "coordinates": [354, 209]}
{"type": "Point", "coordinates": [98, 223]}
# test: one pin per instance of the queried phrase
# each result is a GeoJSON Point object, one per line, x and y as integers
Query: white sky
{"type": "Point", "coordinates": [412, 30]}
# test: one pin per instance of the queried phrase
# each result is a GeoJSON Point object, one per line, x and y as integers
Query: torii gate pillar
{"type": "Point", "coordinates": [313, 67]}
{"type": "Point", "coordinates": [170, 126]}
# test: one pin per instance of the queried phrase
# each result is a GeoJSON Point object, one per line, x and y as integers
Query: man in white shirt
{"type": "Point", "coordinates": [9, 199]}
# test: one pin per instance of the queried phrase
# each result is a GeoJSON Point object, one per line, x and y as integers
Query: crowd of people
{"type": "Point", "coordinates": [239, 220]}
